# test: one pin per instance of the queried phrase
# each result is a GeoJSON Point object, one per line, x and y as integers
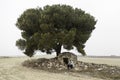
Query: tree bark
{"type": "Point", "coordinates": [58, 49]}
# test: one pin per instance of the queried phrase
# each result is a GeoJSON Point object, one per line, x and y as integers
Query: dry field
{"type": "Point", "coordinates": [11, 69]}
{"type": "Point", "coordinates": [101, 60]}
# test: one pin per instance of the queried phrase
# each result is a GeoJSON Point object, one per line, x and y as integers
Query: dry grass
{"type": "Point", "coordinates": [109, 61]}
{"type": "Point", "coordinates": [11, 69]}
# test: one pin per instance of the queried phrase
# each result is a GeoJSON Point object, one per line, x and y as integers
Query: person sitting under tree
{"type": "Point", "coordinates": [70, 64]}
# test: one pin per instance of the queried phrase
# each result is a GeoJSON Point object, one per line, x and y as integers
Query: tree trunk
{"type": "Point", "coordinates": [58, 49]}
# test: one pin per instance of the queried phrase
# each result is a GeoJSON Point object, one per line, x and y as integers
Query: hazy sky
{"type": "Point", "coordinates": [105, 39]}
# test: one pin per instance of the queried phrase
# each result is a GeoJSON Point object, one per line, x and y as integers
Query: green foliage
{"type": "Point", "coordinates": [21, 44]}
{"type": "Point", "coordinates": [54, 26]}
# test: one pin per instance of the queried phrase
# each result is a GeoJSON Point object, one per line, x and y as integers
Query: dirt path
{"type": "Point", "coordinates": [11, 69]}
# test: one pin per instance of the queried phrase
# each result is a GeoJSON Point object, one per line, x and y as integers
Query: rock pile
{"type": "Point", "coordinates": [102, 70]}
{"type": "Point", "coordinates": [44, 63]}
{"type": "Point", "coordinates": [58, 63]}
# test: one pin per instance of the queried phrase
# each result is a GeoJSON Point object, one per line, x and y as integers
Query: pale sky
{"type": "Point", "coordinates": [105, 39]}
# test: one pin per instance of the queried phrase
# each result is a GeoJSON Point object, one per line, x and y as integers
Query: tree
{"type": "Point", "coordinates": [52, 27]}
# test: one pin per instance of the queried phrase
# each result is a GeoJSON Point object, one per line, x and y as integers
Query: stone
{"type": "Point", "coordinates": [86, 67]}
{"type": "Point", "coordinates": [76, 68]}
{"type": "Point", "coordinates": [99, 69]}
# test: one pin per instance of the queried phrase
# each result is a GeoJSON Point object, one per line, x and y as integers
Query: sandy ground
{"type": "Point", "coordinates": [11, 69]}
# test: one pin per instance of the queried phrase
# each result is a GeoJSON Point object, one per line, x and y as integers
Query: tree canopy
{"type": "Point", "coordinates": [49, 28]}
